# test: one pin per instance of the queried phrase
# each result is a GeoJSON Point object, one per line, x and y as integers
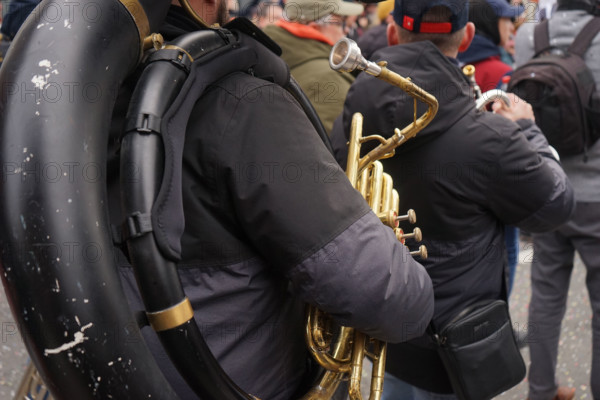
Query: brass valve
{"type": "Point", "coordinates": [411, 217]}
{"type": "Point", "coordinates": [416, 234]}
{"type": "Point", "coordinates": [389, 218]}
{"type": "Point", "coordinates": [422, 252]}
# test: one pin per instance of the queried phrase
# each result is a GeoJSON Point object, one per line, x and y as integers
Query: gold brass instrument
{"type": "Point", "coordinates": [483, 99]}
{"type": "Point", "coordinates": [344, 358]}
{"type": "Point", "coordinates": [32, 387]}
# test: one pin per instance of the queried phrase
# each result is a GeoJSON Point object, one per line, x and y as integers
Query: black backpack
{"type": "Point", "coordinates": [561, 90]}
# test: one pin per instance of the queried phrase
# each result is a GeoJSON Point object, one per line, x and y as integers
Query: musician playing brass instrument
{"type": "Point", "coordinates": [468, 173]}
{"type": "Point", "coordinates": [273, 223]}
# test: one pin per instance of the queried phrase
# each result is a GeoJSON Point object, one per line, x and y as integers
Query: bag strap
{"type": "Point", "coordinates": [541, 37]}
{"type": "Point", "coordinates": [585, 37]}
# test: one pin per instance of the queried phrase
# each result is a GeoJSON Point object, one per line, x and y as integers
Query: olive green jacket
{"type": "Point", "coordinates": [308, 59]}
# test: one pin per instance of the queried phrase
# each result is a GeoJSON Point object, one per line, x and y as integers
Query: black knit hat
{"type": "Point", "coordinates": [485, 19]}
{"type": "Point", "coordinates": [485, 14]}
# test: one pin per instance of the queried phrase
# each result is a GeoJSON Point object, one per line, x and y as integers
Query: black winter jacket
{"type": "Point", "coordinates": [271, 223]}
{"type": "Point", "coordinates": [467, 175]}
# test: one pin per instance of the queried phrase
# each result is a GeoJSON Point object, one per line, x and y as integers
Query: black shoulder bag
{"type": "Point", "coordinates": [480, 352]}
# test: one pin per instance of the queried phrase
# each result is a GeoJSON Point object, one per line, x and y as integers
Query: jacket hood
{"type": "Point", "coordinates": [392, 108]}
{"type": "Point", "coordinates": [481, 48]}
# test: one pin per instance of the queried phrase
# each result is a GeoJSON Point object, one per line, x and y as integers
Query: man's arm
{"type": "Point", "coordinates": [306, 220]}
{"type": "Point", "coordinates": [535, 168]}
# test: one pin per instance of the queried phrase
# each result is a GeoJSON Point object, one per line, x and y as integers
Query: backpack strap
{"type": "Point", "coordinates": [585, 37]}
{"type": "Point", "coordinates": [541, 38]}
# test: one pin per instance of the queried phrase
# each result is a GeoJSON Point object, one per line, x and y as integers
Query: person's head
{"type": "Point", "coordinates": [493, 19]}
{"type": "Point", "coordinates": [265, 12]}
{"type": "Point", "coordinates": [443, 22]}
{"type": "Point", "coordinates": [327, 16]}
{"type": "Point", "coordinates": [211, 11]}
{"type": "Point", "coordinates": [384, 11]}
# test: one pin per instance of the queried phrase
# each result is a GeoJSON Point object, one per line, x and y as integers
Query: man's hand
{"type": "Point", "coordinates": [519, 108]}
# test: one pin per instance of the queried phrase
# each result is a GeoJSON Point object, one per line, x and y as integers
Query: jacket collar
{"type": "Point", "coordinates": [303, 31]}
{"type": "Point", "coordinates": [481, 48]}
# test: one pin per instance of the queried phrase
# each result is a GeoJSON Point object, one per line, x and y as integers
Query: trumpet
{"type": "Point", "coordinates": [344, 358]}
{"type": "Point", "coordinates": [483, 99]}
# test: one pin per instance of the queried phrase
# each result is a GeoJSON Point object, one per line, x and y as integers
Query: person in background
{"type": "Point", "coordinates": [14, 13]}
{"type": "Point", "coordinates": [507, 53]}
{"type": "Point", "coordinates": [376, 37]}
{"type": "Point", "coordinates": [467, 174]}
{"type": "Point", "coordinates": [554, 252]}
{"type": "Point", "coordinates": [268, 13]}
{"type": "Point", "coordinates": [306, 36]}
{"type": "Point", "coordinates": [263, 13]}
{"type": "Point", "coordinates": [545, 9]}
{"type": "Point", "coordinates": [493, 29]}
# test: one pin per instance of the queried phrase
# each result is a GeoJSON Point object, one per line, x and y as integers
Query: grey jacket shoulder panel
{"type": "Point", "coordinates": [392, 279]}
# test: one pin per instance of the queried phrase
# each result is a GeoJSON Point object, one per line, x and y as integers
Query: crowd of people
{"type": "Point", "coordinates": [476, 178]}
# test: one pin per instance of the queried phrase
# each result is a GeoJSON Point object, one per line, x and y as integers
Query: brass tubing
{"type": "Point", "coordinates": [358, 354]}
{"type": "Point", "coordinates": [366, 176]}
{"type": "Point", "coordinates": [354, 148]}
{"type": "Point", "coordinates": [171, 317]}
{"type": "Point", "coordinates": [376, 186]}
{"type": "Point", "coordinates": [387, 188]}
{"type": "Point", "coordinates": [339, 361]}
{"type": "Point", "coordinates": [378, 371]}
{"type": "Point", "coordinates": [395, 201]}
{"type": "Point", "coordinates": [137, 13]}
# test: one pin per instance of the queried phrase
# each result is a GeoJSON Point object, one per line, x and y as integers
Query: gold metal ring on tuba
{"type": "Point", "coordinates": [485, 98]}
{"type": "Point", "coordinates": [344, 358]}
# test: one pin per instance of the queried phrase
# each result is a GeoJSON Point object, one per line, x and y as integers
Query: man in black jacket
{"type": "Point", "coordinates": [468, 172]}
{"type": "Point", "coordinates": [272, 223]}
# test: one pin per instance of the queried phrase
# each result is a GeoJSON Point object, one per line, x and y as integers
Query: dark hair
{"type": "Point", "coordinates": [482, 14]}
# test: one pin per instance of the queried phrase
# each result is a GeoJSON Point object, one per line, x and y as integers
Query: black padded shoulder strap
{"type": "Point", "coordinates": [584, 38]}
{"type": "Point", "coordinates": [245, 54]}
{"type": "Point", "coordinates": [241, 48]}
{"type": "Point", "coordinates": [541, 37]}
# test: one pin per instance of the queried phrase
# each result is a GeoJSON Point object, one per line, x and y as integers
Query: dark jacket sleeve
{"type": "Point", "coordinates": [532, 189]}
{"type": "Point", "coordinates": [561, 200]}
{"type": "Point", "coordinates": [300, 212]}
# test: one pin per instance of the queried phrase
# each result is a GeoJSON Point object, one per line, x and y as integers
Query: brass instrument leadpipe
{"type": "Point", "coordinates": [483, 99]}
{"type": "Point", "coordinates": [346, 56]}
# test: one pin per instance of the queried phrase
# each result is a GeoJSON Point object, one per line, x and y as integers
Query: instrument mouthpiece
{"type": "Point", "coordinates": [345, 56]}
